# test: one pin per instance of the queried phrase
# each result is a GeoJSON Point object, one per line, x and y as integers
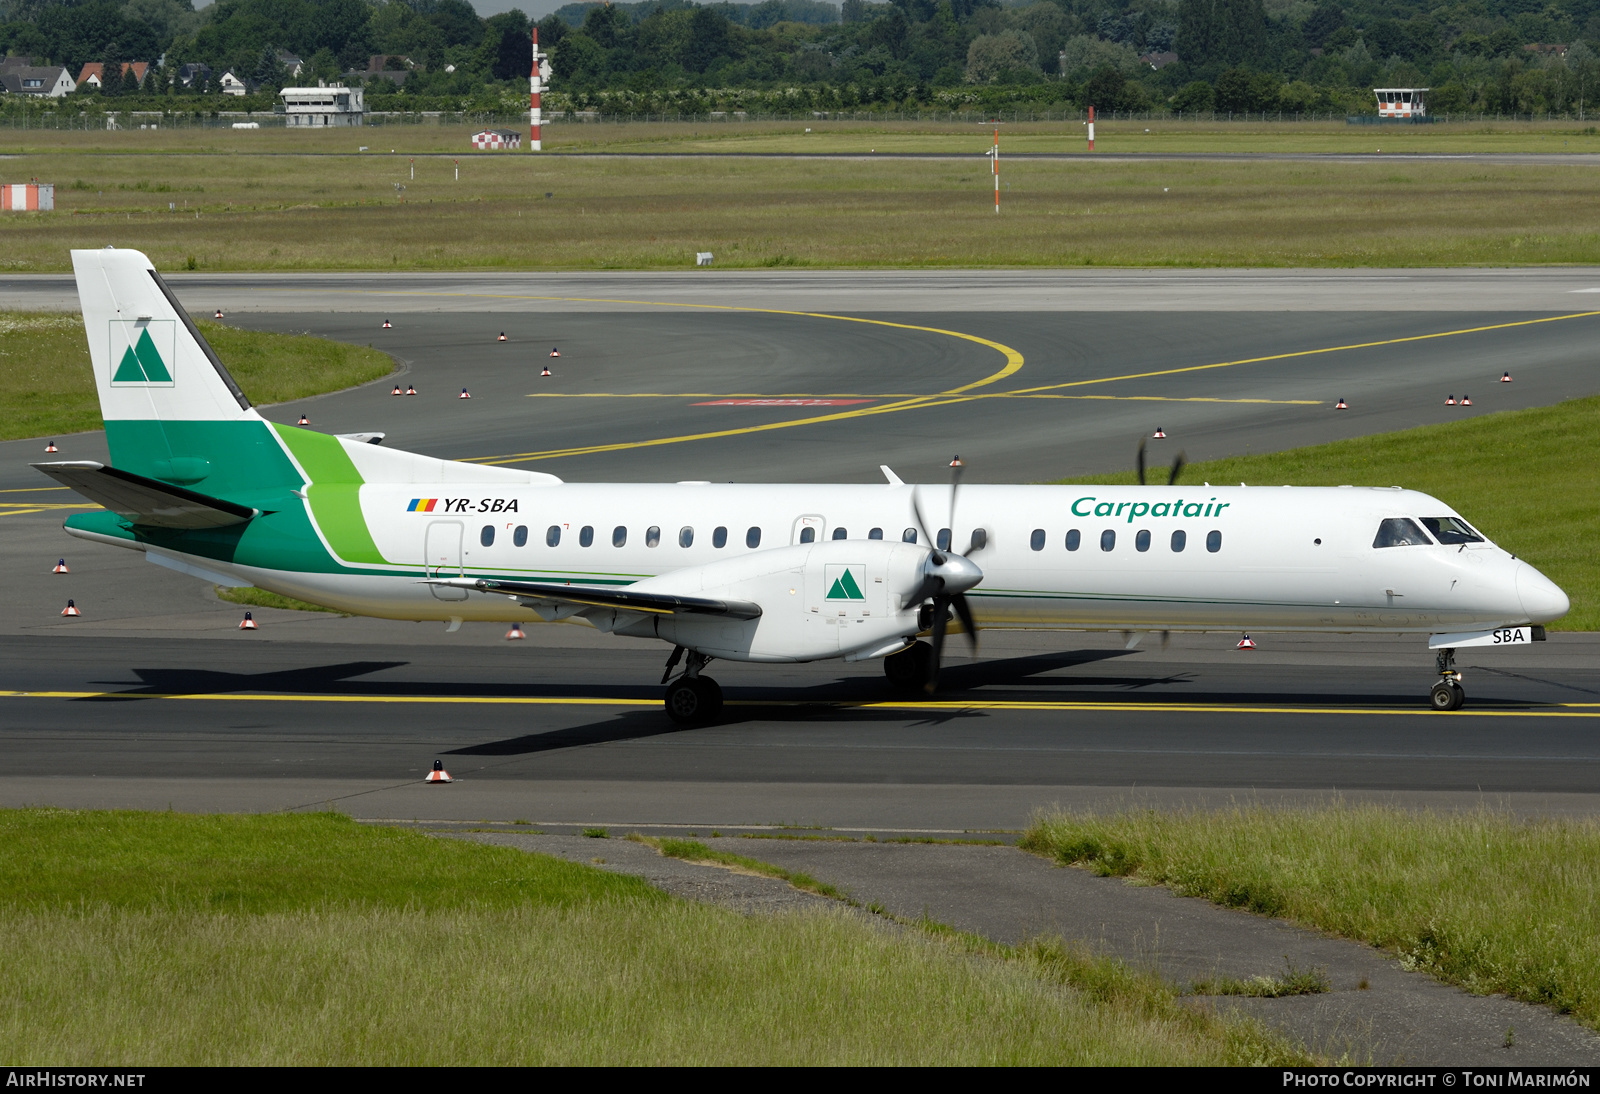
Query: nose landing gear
{"type": "Point", "coordinates": [1447, 693]}
{"type": "Point", "coordinates": [691, 699]}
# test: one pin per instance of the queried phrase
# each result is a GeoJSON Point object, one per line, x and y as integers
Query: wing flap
{"type": "Point", "coordinates": [147, 502]}
{"type": "Point", "coordinates": [601, 596]}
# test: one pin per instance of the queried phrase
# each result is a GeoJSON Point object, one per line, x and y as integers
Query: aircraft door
{"type": "Point", "coordinates": [442, 557]}
{"type": "Point", "coordinates": [808, 529]}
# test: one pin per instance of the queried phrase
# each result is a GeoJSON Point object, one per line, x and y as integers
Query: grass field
{"type": "Point", "coordinates": [219, 200]}
{"type": "Point", "coordinates": [149, 939]}
{"type": "Point", "coordinates": [1483, 900]}
{"type": "Point", "coordinates": [1519, 476]}
{"type": "Point", "coordinates": [47, 384]}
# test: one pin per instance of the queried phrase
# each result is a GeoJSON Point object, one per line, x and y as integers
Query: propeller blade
{"type": "Point", "coordinates": [1177, 467]}
{"type": "Point", "coordinates": [956, 469]}
{"type": "Point", "coordinates": [922, 527]}
{"type": "Point", "coordinates": [1139, 461]}
{"type": "Point", "coordinates": [941, 611]}
{"type": "Point", "coordinates": [964, 613]}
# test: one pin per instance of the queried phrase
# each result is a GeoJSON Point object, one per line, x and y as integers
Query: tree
{"type": "Point", "coordinates": [1104, 89]}
{"type": "Point", "coordinates": [508, 44]}
{"type": "Point", "coordinates": [1195, 97]}
{"type": "Point", "coordinates": [130, 81]}
{"type": "Point", "coordinates": [1225, 32]}
{"type": "Point", "coordinates": [1585, 68]}
{"type": "Point", "coordinates": [992, 55]}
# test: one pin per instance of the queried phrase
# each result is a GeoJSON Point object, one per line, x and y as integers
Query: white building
{"type": "Point", "coordinates": [232, 85]}
{"type": "Point", "coordinates": [1401, 102]}
{"type": "Point", "coordinates": [323, 106]}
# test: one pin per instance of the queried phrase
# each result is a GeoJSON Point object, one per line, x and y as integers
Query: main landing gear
{"type": "Point", "coordinates": [1447, 693]}
{"type": "Point", "coordinates": [908, 669]}
{"type": "Point", "coordinates": [692, 699]}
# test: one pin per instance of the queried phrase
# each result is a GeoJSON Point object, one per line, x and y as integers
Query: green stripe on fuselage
{"type": "Point", "coordinates": [334, 493]}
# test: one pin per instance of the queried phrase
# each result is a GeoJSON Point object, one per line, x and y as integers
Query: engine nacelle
{"type": "Point", "coordinates": [839, 598]}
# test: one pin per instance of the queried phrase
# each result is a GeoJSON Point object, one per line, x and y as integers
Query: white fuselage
{"type": "Point", "coordinates": [1252, 557]}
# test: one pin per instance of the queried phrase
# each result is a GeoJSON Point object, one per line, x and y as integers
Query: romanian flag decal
{"type": "Point", "coordinates": [422, 505]}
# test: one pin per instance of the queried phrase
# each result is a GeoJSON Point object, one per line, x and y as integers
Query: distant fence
{"type": "Point", "coordinates": [139, 119]}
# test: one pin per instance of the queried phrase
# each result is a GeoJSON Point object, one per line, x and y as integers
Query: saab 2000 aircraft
{"type": "Point", "coordinates": [204, 485]}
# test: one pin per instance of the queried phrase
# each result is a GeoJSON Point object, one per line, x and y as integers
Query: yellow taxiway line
{"type": "Point", "coordinates": [1555, 710]}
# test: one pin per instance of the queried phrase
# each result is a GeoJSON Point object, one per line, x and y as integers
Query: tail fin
{"type": "Point", "coordinates": [150, 361]}
{"type": "Point", "coordinates": [171, 409]}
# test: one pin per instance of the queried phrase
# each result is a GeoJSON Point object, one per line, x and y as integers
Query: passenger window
{"type": "Point", "coordinates": [586, 536]}
{"type": "Point", "coordinates": [980, 539]}
{"type": "Point", "coordinates": [1073, 540]}
{"type": "Point", "coordinates": [1451, 530]}
{"type": "Point", "coordinates": [1108, 539]}
{"type": "Point", "coordinates": [752, 538]}
{"type": "Point", "coordinates": [1399, 532]}
{"type": "Point", "coordinates": [1141, 542]}
{"type": "Point", "coordinates": [619, 536]}
{"type": "Point", "coordinates": [943, 539]}
{"type": "Point", "coordinates": [686, 536]}
{"type": "Point", "coordinates": [1036, 541]}
{"type": "Point", "coordinates": [908, 536]}
{"type": "Point", "coordinates": [876, 533]}
{"type": "Point", "coordinates": [552, 536]}
{"type": "Point", "coordinates": [520, 536]}
{"type": "Point", "coordinates": [1213, 542]}
{"type": "Point", "coordinates": [652, 536]}
{"type": "Point", "coordinates": [1180, 540]}
{"type": "Point", "coordinates": [719, 537]}
{"type": "Point", "coordinates": [486, 537]}
{"type": "Point", "coordinates": [840, 533]}
{"type": "Point", "coordinates": [807, 534]}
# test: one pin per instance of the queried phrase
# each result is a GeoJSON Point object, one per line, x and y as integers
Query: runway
{"type": "Point", "coordinates": [810, 377]}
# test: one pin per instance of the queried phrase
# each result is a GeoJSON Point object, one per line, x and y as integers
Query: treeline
{"type": "Point", "coordinates": [672, 56]}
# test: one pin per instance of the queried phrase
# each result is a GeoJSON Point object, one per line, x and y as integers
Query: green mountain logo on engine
{"type": "Point", "coordinates": [844, 582]}
{"type": "Point", "coordinates": [142, 351]}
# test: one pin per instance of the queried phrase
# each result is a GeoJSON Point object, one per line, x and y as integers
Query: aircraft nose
{"type": "Point", "coordinates": [1542, 599]}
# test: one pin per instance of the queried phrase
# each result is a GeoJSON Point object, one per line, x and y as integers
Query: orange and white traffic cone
{"type": "Point", "coordinates": [438, 774]}
{"type": "Point", "coordinates": [1466, 400]}
{"type": "Point", "coordinates": [50, 446]}
{"type": "Point", "coordinates": [554, 352]}
{"type": "Point", "coordinates": [247, 624]}
{"type": "Point", "coordinates": [1505, 377]}
{"type": "Point", "coordinates": [546, 371]}
{"type": "Point", "coordinates": [304, 420]}
{"type": "Point", "coordinates": [397, 390]}
{"type": "Point", "coordinates": [515, 632]}
{"type": "Point", "coordinates": [387, 324]}
{"type": "Point", "coordinates": [60, 568]}
{"type": "Point", "coordinates": [1245, 644]}
{"type": "Point", "coordinates": [70, 609]}
{"type": "Point", "coordinates": [464, 394]}
{"type": "Point", "coordinates": [1159, 435]}
{"type": "Point", "coordinates": [502, 337]}
{"type": "Point", "coordinates": [1340, 405]}
{"type": "Point", "coordinates": [410, 390]}
{"type": "Point", "coordinates": [219, 313]}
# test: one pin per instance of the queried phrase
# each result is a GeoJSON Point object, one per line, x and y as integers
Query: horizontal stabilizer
{"type": "Point", "coordinates": [592, 596]}
{"type": "Point", "coordinates": [147, 502]}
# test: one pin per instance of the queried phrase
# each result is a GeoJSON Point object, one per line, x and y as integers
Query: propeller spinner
{"type": "Point", "coordinates": [946, 577]}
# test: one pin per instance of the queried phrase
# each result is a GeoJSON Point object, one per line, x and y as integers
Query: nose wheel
{"type": "Point", "coordinates": [692, 699]}
{"type": "Point", "coordinates": [1447, 694]}
{"type": "Point", "coordinates": [908, 669]}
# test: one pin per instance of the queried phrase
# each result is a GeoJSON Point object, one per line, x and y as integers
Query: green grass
{"type": "Point", "coordinates": [252, 597]}
{"type": "Point", "coordinates": [1521, 476]}
{"type": "Point", "coordinates": [297, 211]}
{"type": "Point", "coordinates": [149, 939]}
{"type": "Point", "coordinates": [1482, 899]}
{"type": "Point", "coordinates": [1294, 981]}
{"type": "Point", "coordinates": [47, 384]}
{"type": "Point", "coordinates": [694, 851]}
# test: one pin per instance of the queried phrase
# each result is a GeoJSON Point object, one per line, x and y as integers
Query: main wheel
{"type": "Point", "coordinates": [1447, 695]}
{"type": "Point", "coordinates": [694, 701]}
{"type": "Point", "coordinates": [908, 669]}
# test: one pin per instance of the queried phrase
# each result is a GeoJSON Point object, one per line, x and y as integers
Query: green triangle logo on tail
{"type": "Point", "coordinates": [845, 588]}
{"type": "Point", "coordinates": [141, 363]}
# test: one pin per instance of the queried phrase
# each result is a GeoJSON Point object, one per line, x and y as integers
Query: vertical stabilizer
{"type": "Point", "coordinates": [171, 410]}
{"type": "Point", "coordinates": [150, 361]}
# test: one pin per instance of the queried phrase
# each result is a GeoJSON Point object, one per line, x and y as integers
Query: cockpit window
{"type": "Point", "coordinates": [1451, 530]}
{"type": "Point", "coordinates": [1400, 532]}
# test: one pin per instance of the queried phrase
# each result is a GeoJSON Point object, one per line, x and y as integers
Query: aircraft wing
{"type": "Point", "coordinates": [606, 596]}
{"type": "Point", "coordinates": [147, 502]}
